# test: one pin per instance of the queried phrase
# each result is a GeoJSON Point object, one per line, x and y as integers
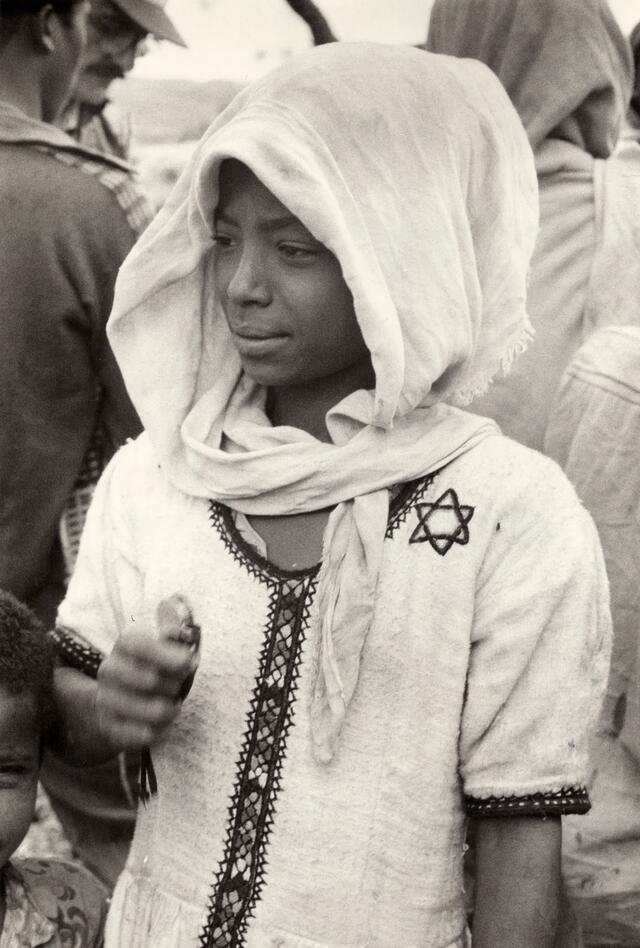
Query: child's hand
{"type": "Point", "coordinates": [138, 689]}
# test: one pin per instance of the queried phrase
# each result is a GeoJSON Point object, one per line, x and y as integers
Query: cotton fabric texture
{"type": "Point", "coordinates": [594, 433]}
{"type": "Point", "coordinates": [311, 792]}
{"type": "Point", "coordinates": [484, 613]}
{"type": "Point", "coordinates": [415, 172]}
{"type": "Point", "coordinates": [567, 68]}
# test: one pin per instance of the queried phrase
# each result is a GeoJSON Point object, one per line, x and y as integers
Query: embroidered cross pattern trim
{"type": "Point", "coordinates": [240, 877]}
{"type": "Point", "coordinates": [443, 523]}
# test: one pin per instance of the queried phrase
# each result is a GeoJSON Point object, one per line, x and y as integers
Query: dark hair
{"type": "Point", "coordinates": [26, 657]}
{"type": "Point", "coordinates": [15, 8]}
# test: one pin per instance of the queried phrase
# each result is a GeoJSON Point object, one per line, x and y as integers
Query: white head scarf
{"type": "Point", "coordinates": [414, 170]}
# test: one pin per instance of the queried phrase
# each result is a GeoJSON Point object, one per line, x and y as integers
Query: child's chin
{"type": "Point", "coordinates": [270, 376]}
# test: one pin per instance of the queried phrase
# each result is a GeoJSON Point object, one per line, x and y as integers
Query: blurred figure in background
{"type": "Point", "coordinates": [43, 901]}
{"type": "Point", "coordinates": [594, 433]}
{"type": "Point", "coordinates": [634, 111]}
{"type": "Point", "coordinates": [117, 34]}
{"type": "Point", "coordinates": [568, 70]}
{"type": "Point", "coordinates": [69, 218]}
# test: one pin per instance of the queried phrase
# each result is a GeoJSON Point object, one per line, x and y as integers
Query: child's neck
{"type": "Point", "coordinates": [305, 406]}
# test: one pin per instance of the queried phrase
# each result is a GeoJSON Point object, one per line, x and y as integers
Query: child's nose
{"type": "Point", "coordinates": [249, 282]}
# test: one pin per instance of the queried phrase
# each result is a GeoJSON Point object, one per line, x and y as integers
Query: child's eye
{"type": "Point", "coordinates": [297, 251]}
{"type": "Point", "coordinates": [223, 241]}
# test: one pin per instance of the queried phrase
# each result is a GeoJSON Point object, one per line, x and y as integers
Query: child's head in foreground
{"type": "Point", "coordinates": [26, 703]}
{"type": "Point", "coordinates": [409, 199]}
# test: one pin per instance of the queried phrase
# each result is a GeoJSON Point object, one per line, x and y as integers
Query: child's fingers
{"type": "Point", "coordinates": [130, 735]}
{"type": "Point", "coordinates": [168, 656]}
{"type": "Point", "coordinates": [147, 665]}
{"type": "Point", "coordinates": [122, 674]}
{"type": "Point", "coordinates": [133, 724]}
{"type": "Point", "coordinates": [156, 712]}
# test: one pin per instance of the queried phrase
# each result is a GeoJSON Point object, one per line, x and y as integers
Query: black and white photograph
{"type": "Point", "coordinates": [319, 474]}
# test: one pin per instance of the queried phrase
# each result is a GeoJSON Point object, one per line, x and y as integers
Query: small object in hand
{"type": "Point", "coordinates": [175, 623]}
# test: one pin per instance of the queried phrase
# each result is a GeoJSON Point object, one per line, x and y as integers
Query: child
{"type": "Point", "coordinates": [42, 901]}
{"type": "Point", "coordinates": [403, 614]}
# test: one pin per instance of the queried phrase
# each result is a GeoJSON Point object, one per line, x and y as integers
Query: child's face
{"type": "Point", "coordinates": [287, 305]}
{"type": "Point", "coordinates": [19, 768]}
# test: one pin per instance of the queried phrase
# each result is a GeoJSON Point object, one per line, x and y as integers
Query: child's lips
{"type": "Point", "coordinates": [258, 345]}
{"type": "Point", "coordinates": [252, 333]}
{"type": "Point", "coordinates": [257, 342]}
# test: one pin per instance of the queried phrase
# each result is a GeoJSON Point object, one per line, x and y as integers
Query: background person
{"type": "Point", "coordinates": [594, 433]}
{"type": "Point", "coordinates": [568, 70]}
{"type": "Point", "coordinates": [42, 901]}
{"type": "Point", "coordinates": [73, 216]}
{"type": "Point", "coordinates": [116, 36]}
{"type": "Point", "coordinates": [70, 216]}
{"type": "Point", "coordinates": [634, 111]}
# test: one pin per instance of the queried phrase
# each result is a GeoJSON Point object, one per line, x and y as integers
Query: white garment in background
{"type": "Point", "coordinates": [594, 433]}
{"type": "Point", "coordinates": [568, 70]}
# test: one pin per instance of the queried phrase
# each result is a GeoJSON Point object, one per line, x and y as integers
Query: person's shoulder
{"type": "Point", "coordinates": [507, 474]}
{"type": "Point", "coordinates": [68, 190]}
{"type": "Point", "coordinates": [135, 476]}
{"type": "Point", "coordinates": [82, 182]}
{"type": "Point", "coordinates": [111, 180]}
{"type": "Point", "coordinates": [134, 464]}
{"type": "Point", "coordinates": [67, 895]}
{"type": "Point", "coordinates": [500, 457]}
{"type": "Point", "coordinates": [497, 489]}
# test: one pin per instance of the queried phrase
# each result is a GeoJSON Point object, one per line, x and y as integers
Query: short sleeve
{"type": "Point", "coordinates": [539, 655]}
{"type": "Point", "coordinates": [105, 592]}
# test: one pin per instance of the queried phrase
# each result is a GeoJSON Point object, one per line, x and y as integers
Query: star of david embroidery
{"type": "Point", "coordinates": [443, 523]}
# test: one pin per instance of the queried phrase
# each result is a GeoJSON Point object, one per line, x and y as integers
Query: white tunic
{"type": "Point", "coordinates": [480, 676]}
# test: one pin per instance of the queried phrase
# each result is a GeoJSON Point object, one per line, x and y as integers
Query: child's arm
{"type": "Point", "coordinates": [128, 707]}
{"type": "Point", "coordinates": [517, 882]}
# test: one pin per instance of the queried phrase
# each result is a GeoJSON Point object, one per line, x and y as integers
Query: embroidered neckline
{"type": "Point", "coordinates": [244, 553]}
{"type": "Point", "coordinates": [403, 503]}
{"type": "Point", "coordinates": [259, 566]}
{"type": "Point", "coordinates": [240, 876]}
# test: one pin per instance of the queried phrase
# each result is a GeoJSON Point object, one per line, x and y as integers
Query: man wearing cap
{"type": "Point", "coordinates": [117, 30]}
{"type": "Point", "coordinates": [95, 806]}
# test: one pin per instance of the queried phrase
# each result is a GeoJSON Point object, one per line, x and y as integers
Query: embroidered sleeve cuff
{"type": "Point", "coordinates": [75, 654]}
{"type": "Point", "coordinates": [550, 803]}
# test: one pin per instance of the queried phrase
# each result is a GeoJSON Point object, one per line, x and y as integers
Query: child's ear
{"type": "Point", "coordinates": [46, 28]}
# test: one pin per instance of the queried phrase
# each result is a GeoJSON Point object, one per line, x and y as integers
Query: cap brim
{"type": "Point", "coordinates": [151, 18]}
